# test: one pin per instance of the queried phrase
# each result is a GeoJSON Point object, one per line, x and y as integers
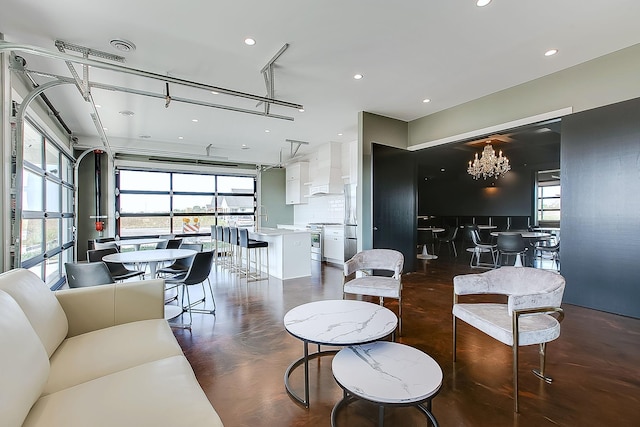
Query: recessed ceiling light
{"type": "Point", "coordinates": [126, 113]}
{"type": "Point", "coordinates": [339, 134]}
{"type": "Point", "coordinates": [267, 130]}
{"type": "Point", "coordinates": [442, 169]}
{"type": "Point", "coordinates": [194, 120]}
{"type": "Point", "coordinates": [244, 147]}
{"type": "Point", "coordinates": [105, 128]}
{"type": "Point", "coordinates": [551, 52]}
{"type": "Point", "coordinates": [213, 92]}
{"type": "Point", "coordinates": [427, 100]}
{"type": "Point", "coordinates": [301, 110]}
{"type": "Point", "coordinates": [249, 41]}
{"type": "Point", "coordinates": [481, 3]}
{"type": "Point", "coordinates": [358, 76]}
{"type": "Point", "coordinates": [98, 106]}
{"type": "Point", "coordinates": [181, 137]}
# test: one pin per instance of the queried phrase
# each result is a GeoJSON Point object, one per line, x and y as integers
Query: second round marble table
{"type": "Point", "coordinates": [387, 374]}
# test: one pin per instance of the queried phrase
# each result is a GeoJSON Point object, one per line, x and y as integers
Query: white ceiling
{"type": "Point", "coordinates": [449, 51]}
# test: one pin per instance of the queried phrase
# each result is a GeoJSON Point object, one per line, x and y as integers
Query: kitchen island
{"type": "Point", "coordinates": [289, 252]}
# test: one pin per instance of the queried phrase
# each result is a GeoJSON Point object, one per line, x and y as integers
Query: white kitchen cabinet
{"type": "Point", "coordinates": [297, 176]}
{"type": "Point", "coordinates": [333, 244]}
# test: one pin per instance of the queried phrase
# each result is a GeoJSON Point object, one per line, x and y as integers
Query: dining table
{"type": "Point", "coordinates": [150, 257]}
{"type": "Point", "coordinates": [425, 251]}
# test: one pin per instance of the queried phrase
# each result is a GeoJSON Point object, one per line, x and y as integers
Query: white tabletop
{"type": "Point", "coordinates": [434, 229]}
{"type": "Point", "coordinates": [525, 234]}
{"type": "Point", "coordinates": [340, 322]}
{"type": "Point", "coordinates": [387, 372]}
{"type": "Point", "coordinates": [138, 242]}
{"type": "Point", "coordinates": [151, 255]}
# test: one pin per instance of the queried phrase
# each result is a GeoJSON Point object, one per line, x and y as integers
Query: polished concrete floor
{"type": "Point", "coordinates": [240, 355]}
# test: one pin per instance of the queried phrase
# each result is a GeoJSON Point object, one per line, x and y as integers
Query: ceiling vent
{"type": "Point", "coordinates": [123, 45]}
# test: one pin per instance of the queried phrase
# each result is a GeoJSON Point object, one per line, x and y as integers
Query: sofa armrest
{"type": "Point", "coordinates": [97, 307]}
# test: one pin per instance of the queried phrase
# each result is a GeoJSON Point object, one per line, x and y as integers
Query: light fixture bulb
{"type": "Point", "coordinates": [482, 3]}
{"type": "Point", "coordinates": [551, 52]}
{"type": "Point", "coordinates": [358, 76]}
{"type": "Point", "coordinates": [249, 41]}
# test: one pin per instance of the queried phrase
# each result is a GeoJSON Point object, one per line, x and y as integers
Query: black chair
{"type": "Point", "coordinates": [87, 274]}
{"type": "Point", "coordinates": [174, 243]}
{"type": "Point", "coordinates": [198, 272]}
{"type": "Point", "coordinates": [511, 244]}
{"type": "Point", "coordinates": [118, 270]}
{"type": "Point", "coordinates": [181, 265]}
{"type": "Point", "coordinates": [252, 245]}
{"type": "Point", "coordinates": [450, 239]}
{"type": "Point", "coordinates": [552, 251]}
{"type": "Point", "coordinates": [479, 247]}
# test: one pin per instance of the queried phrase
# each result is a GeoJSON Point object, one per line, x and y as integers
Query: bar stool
{"type": "Point", "coordinates": [234, 250]}
{"type": "Point", "coordinates": [256, 246]}
{"type": "Point", "coordinates": [226, 239]}
{"type": "Point", "coordinates": [218, 241]}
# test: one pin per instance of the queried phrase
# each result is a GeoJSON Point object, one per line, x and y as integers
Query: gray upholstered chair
{"type": "Point", "coordinates": [531, 315]}
{"type": "Point", "coordinates": [83, 274]}
{"type": "Point", "coordinates": [379, 286]}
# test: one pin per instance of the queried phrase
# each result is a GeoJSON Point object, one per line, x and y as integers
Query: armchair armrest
{"type": "Point", "coordinates": [97, 307]}
{"type": "Point", "coordinates": [469, 284]}
{"type": "Point", "coordinates": [534, 301]}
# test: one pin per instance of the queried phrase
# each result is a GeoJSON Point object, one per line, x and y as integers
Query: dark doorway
{"type": "Point", "coordinates": [394, 201]}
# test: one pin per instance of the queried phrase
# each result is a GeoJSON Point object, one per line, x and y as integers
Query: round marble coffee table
{"type": "Point", "coordinates": [387, 374]}
{"type": "Point", "coordinates": [334, 323]}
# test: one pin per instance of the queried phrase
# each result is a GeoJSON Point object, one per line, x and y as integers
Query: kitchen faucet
{"type": "Point", "coordinates": [262, 212]}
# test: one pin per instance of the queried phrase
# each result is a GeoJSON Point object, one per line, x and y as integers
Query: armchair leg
{"type": "Point", "coordinates": [454, 338]}
{"type": "Point", "coordinates": [540, 373]}
{"type": "Point", "coordinates": [515, 376]}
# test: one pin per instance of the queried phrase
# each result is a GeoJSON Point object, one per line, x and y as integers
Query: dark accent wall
{"type": "Point", "coordinates": [511, 195]}
{"type": "Point", "coordinates": [600, 247]}
{"type": "Point", "coordinates": [394, 207]}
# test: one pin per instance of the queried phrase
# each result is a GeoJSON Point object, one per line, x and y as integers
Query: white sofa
{"type": "Point", "coordinates": [95, 356]}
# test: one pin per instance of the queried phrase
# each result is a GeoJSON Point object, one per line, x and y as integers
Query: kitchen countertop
{"type": "Point", "coordinates": [276, 231]}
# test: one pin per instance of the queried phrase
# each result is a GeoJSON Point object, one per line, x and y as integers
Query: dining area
{"type": "Point", "coordinates": [180, 262]}
{"type": "Point", "coordinates": [489, 241]}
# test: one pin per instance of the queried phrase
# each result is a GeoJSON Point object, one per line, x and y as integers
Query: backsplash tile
{"type": "Point", "coordinates": [329, 208]}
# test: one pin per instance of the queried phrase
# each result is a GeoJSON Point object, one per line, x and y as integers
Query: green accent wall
{"type": "Point", "coordinates": [272, 189]}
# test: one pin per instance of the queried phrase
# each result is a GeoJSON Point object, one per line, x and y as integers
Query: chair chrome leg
{"type": "Point", "coordinates": [540, 373]}
{"type": "Point", "coordinates": [454, 338]}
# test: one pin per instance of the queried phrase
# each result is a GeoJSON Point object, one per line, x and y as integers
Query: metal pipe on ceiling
{"type": "Point", "coordinates": [163, 96]}
{"type": "Point", "coordinates": [7, 46]}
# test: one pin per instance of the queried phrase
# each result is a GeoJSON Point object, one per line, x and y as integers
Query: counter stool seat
{"type": "Point", "coordinates": [256, 246]}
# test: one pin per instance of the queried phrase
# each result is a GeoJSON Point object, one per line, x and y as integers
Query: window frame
{"type": "Point", "coordinates": [217, 216]}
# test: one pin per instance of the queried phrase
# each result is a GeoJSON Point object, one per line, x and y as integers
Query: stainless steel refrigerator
{"type": "Point", "coordinates": [350, 221]}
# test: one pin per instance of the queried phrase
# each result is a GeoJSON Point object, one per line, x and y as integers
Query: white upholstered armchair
{"type": "Point", "coordinates": [531, 315]}
{"type": "Point", "coordinates": [380, 286]}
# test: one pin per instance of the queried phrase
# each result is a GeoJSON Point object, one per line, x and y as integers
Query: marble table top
{"type": "Point", "coordinates": [151, 255]}
{"type": "Point", "coordinates": [387, 372]}
{"type": "Point", "coordinates": [340, 322]}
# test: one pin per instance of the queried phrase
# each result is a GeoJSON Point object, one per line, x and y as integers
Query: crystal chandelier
{"type": "Point", "coordinates": [488, 164]}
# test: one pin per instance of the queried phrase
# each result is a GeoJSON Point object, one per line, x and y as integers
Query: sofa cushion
{"type": "Point", "coordinates": [24, 364]}
{"type": "Point", "coordinates": [160, 393]}
{"type": "Point", "coordinates": [39, 304]}
{"type": "Point", "coordinates": [105, 351]}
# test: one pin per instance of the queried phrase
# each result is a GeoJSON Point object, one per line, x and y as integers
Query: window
{"type": "Point", "coordinates": [187, 204]}
{"type": "Point", "coordinates": [548, 198]}
{"type": "Point", "coordinates": [46, 240]}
